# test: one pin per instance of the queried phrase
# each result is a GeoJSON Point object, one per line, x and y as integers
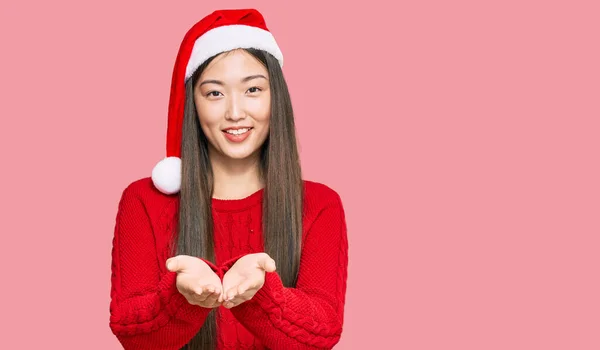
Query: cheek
{"type": "Point", "coordinates": [260, 109]}
{"type": "Point", "coordinates": [207, 115]}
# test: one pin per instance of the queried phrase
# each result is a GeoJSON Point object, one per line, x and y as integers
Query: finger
{"type": "Point", "coordinates": [212, 298]}
{"type": "Point", "coordinates": [199, 293]}
{"type": "Point", "coordinates": [229, 291]}
{"type": "Point", "coordinates": [244, 286]}
{"type": "Point", "coordinates": [233, 292]}
{"type": "Point", "coordinates": [214, 291]}
{"type": "Point", "coordinates": [232, 303]}
{"type": "Point", "coordinates": [173, 264]}
{"type": "Point", "coordinates": [239, 294]}
{"type": "Point", "coordinates": [241, 288]}
{"type": "Point", "coordinates": [230, 294]}
{"type": "Point", "coordinates": [267, 264]}
{"type": "Point", "coordinates": [239, 299]}
{"type": "Point", "coordinates": [177, 263]}
{"type": "Point", "coordinates": [207, 292]}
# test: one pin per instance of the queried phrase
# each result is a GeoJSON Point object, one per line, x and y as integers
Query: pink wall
{"type": "Point", "coordinates": [462, 137]}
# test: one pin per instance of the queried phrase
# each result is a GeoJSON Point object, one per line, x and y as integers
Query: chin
{"type": "Point", "coordinates": [238, 155]}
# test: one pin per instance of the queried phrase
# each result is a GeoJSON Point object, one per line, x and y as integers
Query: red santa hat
{"type": "Point", "coordinates": [221, 31]}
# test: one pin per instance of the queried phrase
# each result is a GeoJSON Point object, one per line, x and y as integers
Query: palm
{"type": "Point", "coordinates": [245, 270]}
{"type": "Point", "coordinates": [200, 273]}
{"type": "Point", "coordinates": [246, 277]}
{"type": "Point", "coordinates": [196, 281]}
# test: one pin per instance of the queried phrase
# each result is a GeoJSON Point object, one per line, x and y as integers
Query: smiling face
{"type": "Point", "coordinates": [233, 103]}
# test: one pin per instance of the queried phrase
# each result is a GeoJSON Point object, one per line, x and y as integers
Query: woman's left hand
{"type": "Point", "coordinates": [245, 278]}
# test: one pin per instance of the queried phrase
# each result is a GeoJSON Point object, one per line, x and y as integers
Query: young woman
{"type": "Point", "coordinates": [225, 246]}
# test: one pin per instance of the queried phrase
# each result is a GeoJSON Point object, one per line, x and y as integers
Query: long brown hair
{"type": "Point", "coordinates": [282, 197]}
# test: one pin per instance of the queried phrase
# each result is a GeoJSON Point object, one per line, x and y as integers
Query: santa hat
{"type": "Point", "coordinates": [221, 31]}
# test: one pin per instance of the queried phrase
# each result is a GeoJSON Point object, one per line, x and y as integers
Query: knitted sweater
{"type": "Point", "coordinates": [148, 312]}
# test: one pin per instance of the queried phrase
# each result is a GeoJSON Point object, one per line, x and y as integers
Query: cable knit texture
{"type": "Point", "coordinates": [148, 312]}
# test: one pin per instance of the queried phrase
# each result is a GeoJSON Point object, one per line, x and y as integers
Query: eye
{"type": "Point", "coordinates": [213, 94]}
{"type": "Point", "coordinates": [254, 89]}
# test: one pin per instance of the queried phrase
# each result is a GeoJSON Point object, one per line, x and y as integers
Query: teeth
{"type": "Point", "coordinates": [237, 132]}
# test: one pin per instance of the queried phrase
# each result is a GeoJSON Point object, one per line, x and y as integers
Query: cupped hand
{"type": "Point", "coordinates": [245, 278]}
{"type": "Point", "coordinates": [196, 281]}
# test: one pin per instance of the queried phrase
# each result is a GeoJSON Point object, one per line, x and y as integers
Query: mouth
{"type": "Point", "coordinates": [237, 135]}
{"type": "Point", "coordinates": [237, 131]}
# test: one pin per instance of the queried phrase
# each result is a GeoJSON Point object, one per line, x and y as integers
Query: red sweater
{"type": "Point", "coordinates": [148, 312]}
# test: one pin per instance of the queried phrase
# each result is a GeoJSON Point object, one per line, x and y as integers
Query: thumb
{"type": "Point", "coordinates": [175, 264]}
{"type": "Point", "coordinates": [266, 263]}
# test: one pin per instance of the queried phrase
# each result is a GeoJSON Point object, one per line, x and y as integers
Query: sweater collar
{"type": "Point", "coordinates": [238, 204]}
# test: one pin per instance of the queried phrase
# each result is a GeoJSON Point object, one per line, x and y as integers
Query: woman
{"type": "Point", "coordinates": [226, 223]}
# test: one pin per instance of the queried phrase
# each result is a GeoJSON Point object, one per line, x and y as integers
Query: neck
{"type": "Point", "coordinates": [235, 178]}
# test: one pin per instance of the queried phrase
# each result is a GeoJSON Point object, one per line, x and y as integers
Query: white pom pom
{"type": "Point", "coordinates": [166, 175]}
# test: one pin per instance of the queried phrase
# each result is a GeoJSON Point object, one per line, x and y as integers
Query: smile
{"type": "Point", "coordinates": [238, 131]}
{"type": "Point", "coordinates": [238, 135]}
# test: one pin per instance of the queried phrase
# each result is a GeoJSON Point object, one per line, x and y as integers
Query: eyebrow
{"type": "Point", "coordinates": [248, 78]}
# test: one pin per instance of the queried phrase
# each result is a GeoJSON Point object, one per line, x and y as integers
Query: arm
{"type": "Point", "coordinates": [146, 310]}
{"type": "Point", "coordinates": [309, 316]}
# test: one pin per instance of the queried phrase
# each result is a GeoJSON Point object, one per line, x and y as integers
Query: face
{"type": "Point", "coordinates": [233, 103]}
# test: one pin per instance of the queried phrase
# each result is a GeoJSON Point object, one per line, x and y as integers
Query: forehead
{"type": "Point", "coordinates": [233, 64]}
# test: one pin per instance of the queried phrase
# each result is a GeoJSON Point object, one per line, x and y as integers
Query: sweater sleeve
{"type": "Point", "coordinates": [146, 309]}
{"type": "Point", "coordinates": [309, 316]}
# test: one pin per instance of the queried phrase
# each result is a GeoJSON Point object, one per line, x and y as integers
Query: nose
{"type": "Point", "coordinates": [235, 109]}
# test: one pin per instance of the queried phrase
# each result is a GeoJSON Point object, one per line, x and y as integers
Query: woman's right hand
{"type": "Point", "coordinates": [196, 281]}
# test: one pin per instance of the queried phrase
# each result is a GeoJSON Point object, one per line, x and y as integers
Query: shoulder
{"type": "Point", "coordinates": [322, 210]}
{"type": "Point", "coordinates": [142, 193]}
{"type": "Point", "coordinates": [318, 196]}
{"type": "Point", "coordinates": [138, 188]}
{"type": "Point", "coordinates": [146, 218]}
{"type": "Point", "coordinates": [144, 188]}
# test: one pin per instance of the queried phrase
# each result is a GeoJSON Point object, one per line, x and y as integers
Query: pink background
{"type": "Point", "coordinates": [462, 136]}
